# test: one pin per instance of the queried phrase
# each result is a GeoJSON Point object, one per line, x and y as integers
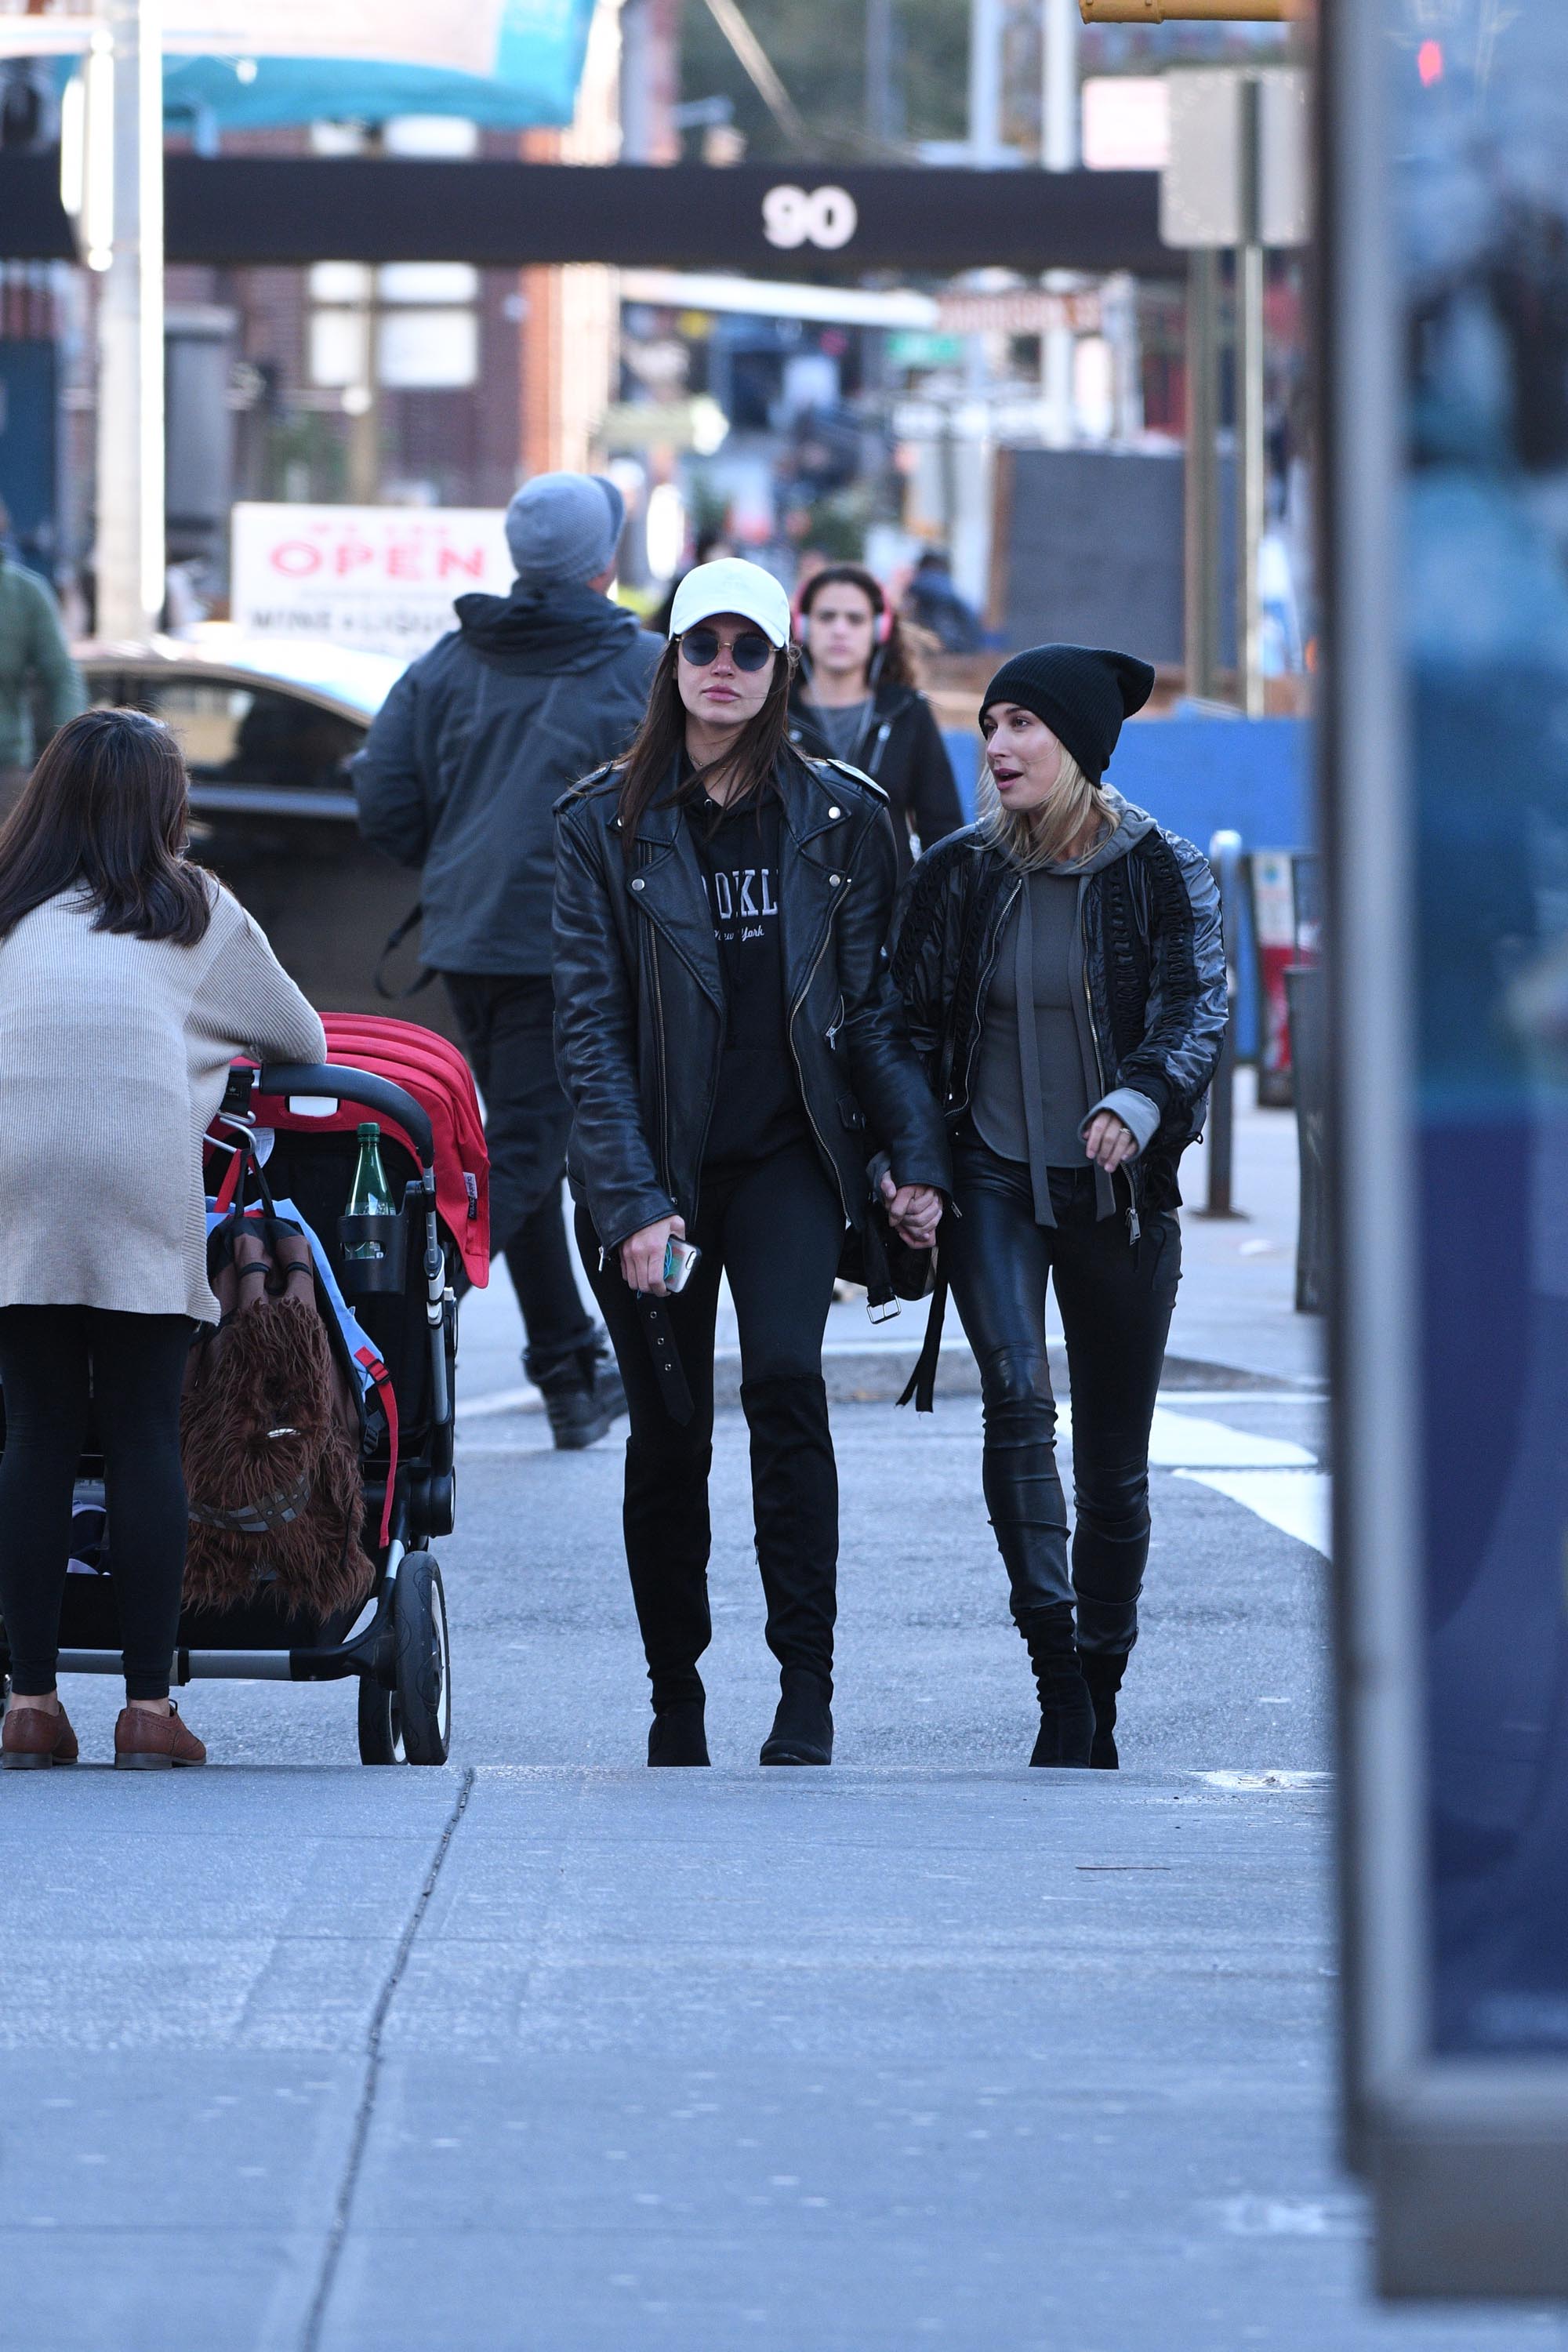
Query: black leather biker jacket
{"type": "Point", "coordinates": [1153, 965]}
{"type": "Point", "coordinates": [639, 998]}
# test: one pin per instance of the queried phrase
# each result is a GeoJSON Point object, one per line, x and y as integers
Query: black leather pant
{"type": "Point", "coordinates": [775, 1227]}
{"type": "Point", "coordinates": [1115, 1302]}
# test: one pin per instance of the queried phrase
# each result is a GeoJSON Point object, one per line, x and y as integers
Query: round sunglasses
{"type": "Point", "coordinates": [750, 651]}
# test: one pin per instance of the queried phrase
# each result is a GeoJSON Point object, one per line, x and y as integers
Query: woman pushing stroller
{"type": "Point", "coordinates": [1062, 966]}
{"type": "Point", "coordinates": [128, 977]}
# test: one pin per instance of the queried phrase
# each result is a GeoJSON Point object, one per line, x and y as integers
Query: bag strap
{"type": "Point", "coordinates": [371, 1363]}
{"type": "Point", "coordinates": [395, 940]}
{"type": "Point", "coordinates": [921, 1384]}
{"type": "Point", "coordinates": [223, 1199]}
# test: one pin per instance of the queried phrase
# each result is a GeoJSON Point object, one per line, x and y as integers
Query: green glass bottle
{"type": "Point", "coordinates": [371, 1195]}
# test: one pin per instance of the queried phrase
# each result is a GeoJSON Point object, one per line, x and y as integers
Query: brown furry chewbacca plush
{"type": "Point", "coordinates": [270, 1459]}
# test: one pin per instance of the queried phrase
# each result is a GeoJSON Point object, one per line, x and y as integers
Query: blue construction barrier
{"type": "Point", "coordinates": [1198, 775]}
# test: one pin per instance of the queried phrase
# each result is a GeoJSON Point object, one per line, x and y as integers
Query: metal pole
{"type": "Point", "coordinates": [130, 560]}
{"type": "Point", "coordinates": [985, 27]}
{"type": "Point", "coordinates": [1059, 95]}
{"type": "Point", "coordinates": [878, 95]}
{"type": "Point", "coordinates": [1225, 856]}
{"type": "Point", "coordinates": [1251, 453]}
{"type": "Point", "coordinates": [1202, 586]}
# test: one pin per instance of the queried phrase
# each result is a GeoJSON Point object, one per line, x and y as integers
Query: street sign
{"type": "Point", "coordinates": [1203, 188]}
{"type": "Point", "coordinates": [1444, 777]}
{"type": "Point", "coordinates": [246, 211]}
{"type": "Point", "coordinates": [381, 579]}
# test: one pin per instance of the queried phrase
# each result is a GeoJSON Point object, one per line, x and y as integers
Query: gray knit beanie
{"type": "Point", "coordinates": [564, 529]}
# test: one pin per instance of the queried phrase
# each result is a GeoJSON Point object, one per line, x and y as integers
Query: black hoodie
{"type": "Point", "coordinates": [475, 744]}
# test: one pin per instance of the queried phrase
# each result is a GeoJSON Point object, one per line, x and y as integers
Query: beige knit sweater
{"type": "Point", "coordinates": [114, 1053]}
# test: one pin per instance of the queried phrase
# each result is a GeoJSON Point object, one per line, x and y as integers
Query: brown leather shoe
{"type": "Point", "coordinates": [31, 1739]}
{"type": "Point", "coordinates": [154, 1743]}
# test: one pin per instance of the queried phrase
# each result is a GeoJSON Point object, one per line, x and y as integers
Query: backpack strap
{"type": "Point", "coordinates": [395, 940]}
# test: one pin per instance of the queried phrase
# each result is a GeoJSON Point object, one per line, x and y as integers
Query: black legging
{"type": "Point", "coordinates": [776, 1228]}
{"type": "Point", "coordinates": [1115, 1303]}
{"type": "Point", "coordinates": [53, 1359]}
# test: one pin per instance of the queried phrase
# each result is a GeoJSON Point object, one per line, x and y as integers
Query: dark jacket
{"type": "Point", "coordinates": [1153, 968]}
{"type": "Point", "coordinates": [473, 746]}
{"type": "Point", "coordinates": [901, 750]}
{"type": "Point", "coordinates": [640, 999]}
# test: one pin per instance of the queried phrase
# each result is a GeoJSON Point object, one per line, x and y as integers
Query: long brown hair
{"type": "Point", "coordinates": [107, 809]}
{"type": "Point", "coordinates": [892, 661]}
{"type": "Point", "coordinates": [649, 764]}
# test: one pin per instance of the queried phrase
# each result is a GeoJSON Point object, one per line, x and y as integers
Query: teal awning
{"type": "Point", "coordinates": [538, 65]}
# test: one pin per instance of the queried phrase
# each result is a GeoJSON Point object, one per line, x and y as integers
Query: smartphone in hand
{"type": "Point", "coordinates": [679, 1262]}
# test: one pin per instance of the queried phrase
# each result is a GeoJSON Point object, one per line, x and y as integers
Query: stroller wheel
{"type": "Point", "coordinates": [424, 1693]}
{"type": "Point", "coordinates": [380, 1724]}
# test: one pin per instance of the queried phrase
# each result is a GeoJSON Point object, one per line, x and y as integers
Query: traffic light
{"type": "Point", "coordinates": [1190, 12]}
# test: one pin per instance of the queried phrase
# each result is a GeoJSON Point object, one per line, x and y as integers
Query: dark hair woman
{"type": "Point", "coordinates": [857, 697]}
{"type": "Point", "coordinates": [128, 981]}
{"type": "Point", "coordinates": [734, 1056]}
{"type": "Point", "coordinates": [1062, 966]}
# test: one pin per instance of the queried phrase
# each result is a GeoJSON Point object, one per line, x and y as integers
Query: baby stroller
{"type": "Point", "coordinates": [402, 1328]}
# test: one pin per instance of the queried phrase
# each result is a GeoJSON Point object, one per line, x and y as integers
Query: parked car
{"type": "Point", "coordinates": [268, 730]}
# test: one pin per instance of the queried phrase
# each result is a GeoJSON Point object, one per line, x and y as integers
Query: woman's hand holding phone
{"type": "Point", "coordinates": [642, 1255]}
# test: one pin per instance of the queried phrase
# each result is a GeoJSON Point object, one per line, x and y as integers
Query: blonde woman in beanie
{"type": "Point", "coordinates": [1062, 966]}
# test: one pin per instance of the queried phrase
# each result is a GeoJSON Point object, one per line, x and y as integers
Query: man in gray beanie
{"type": "Point", "coordinates": [472, 747]}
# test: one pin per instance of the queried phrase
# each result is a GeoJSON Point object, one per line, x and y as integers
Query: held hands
{"type": "Point", "coordinates": [914, 1212]}
{"type": "Point", "coordinates": [1109, 1142]}
{"type": "Point", "coordinates": [642, 1255]}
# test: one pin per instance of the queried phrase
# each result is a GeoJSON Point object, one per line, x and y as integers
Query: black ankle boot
{"type": "Point", "coordinates": [1066, 1711]}
{"type": "Point", "coordinates": [1102, 1671]}
{"type": "Point", "coordinates": [803, 1727]}
{"type": "Point", "coordinates": [678, 1734]}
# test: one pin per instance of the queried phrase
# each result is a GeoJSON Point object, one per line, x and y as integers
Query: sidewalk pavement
{"type": "Point", "coordinates": [544, 2053]}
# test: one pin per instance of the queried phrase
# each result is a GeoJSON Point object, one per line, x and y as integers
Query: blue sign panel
{"type": "Point", "coordinates": [1481, 129]}
{"type": "Point", "coordinates": [532, 82]}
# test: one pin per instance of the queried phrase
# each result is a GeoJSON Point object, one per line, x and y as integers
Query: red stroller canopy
{"type": "Point", "coordinates": [435, 1072]}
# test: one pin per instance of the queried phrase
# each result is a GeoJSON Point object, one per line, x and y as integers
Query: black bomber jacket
{"type": "Point", "coordinates": [639, 998]}
{"type": "Point", "coordinates": [1154, 967]}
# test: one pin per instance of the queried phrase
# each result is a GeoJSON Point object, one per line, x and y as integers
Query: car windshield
{"type": "Point", "coordinates": [242, 735]}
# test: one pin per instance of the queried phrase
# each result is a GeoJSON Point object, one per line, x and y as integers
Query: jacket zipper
{"type": "Point", "coordinates": [981, 986]}
{"type": "Point", "coordinates": [800, 1073]}
{"type": "Point", "coordinates": [1134, 1228]}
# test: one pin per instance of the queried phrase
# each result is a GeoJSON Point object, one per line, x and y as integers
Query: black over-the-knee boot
{"type": "Point", "coordinates": [667, 1538]}
{"type": "Point", "coordinates": [795, 1491]}
{"type": "Point", "coordinates": [1028, 1513]}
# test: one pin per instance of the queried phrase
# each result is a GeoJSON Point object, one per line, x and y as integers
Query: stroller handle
{"type": "Point", "coordinates": [338, 1082]}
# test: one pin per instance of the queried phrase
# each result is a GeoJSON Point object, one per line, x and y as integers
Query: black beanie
{"type": "Point", "coordinates": [1082, 696]}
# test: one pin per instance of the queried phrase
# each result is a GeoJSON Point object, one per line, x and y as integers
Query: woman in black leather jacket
{"type": "Point", "coordinates": [1062, 966]}
{"type": "Point", "coordinates": [734, 1056]}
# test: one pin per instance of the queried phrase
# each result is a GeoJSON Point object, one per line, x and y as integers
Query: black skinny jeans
{"type": "Point", "coordinates": [776, 1228]}
{"type": "Point", "coordinates": [53, 1360]}
{"type": "Point", "coordinates": [507, 1025]}
{"type": "Point", "coordinates": [1115, 1301]}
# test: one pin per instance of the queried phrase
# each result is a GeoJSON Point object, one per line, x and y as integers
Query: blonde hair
{"type": "Point", "coordinates": [1028, 839]}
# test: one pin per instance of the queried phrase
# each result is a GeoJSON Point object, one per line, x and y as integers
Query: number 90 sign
{"type": "Point", "coordinates": [822, 216]}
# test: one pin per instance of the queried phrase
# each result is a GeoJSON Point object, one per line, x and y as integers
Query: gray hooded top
{"type": "Point", "coordinates": [1037, 1080]}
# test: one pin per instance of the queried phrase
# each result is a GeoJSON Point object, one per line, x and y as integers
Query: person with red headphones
{"type": "Point", "coordinates": [855, 699]}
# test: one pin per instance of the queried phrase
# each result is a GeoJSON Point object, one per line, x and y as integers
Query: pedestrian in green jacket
{"type": "Point", "coordinates": [35, 662]}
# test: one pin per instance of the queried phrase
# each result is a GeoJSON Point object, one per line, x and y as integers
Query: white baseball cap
{"type": "Point", "coordinates": [732, 585]}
